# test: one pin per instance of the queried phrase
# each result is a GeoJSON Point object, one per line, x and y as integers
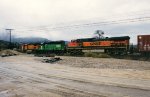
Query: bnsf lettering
{"type": "Point", "coordinates": [95, 43]}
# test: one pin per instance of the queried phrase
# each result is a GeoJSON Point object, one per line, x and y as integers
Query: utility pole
{"type": "Point", "coordinates": [9, 35]}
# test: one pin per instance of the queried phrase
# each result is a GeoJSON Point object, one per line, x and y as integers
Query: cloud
{"type": "Point", "coordinates": [28, 17]}
{"type": "Point", "coordinates": [56, 11]}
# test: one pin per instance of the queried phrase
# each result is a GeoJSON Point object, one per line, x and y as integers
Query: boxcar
{"type": "Point", "coordinates": [143, 43]}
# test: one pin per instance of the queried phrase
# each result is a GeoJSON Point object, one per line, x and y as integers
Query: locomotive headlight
{"type": "Point", "coordinates": [140, 37]}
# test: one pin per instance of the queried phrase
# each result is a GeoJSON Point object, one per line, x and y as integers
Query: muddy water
{"type": "Point", "coordinates": [23, 76]}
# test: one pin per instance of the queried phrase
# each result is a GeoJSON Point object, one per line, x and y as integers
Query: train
{"type": "Point", "coordinates": [110, 45]}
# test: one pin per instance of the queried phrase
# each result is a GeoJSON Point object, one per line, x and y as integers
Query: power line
{"type": "Point", "coordinates": [120, 21]}
{"type": "Point", "coordinates": [47, 28]}
{"type": "Point", "coordinates": [115, 16]}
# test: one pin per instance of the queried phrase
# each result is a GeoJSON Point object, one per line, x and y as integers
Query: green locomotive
{"type": "Point", "coordinates": [56, 47]}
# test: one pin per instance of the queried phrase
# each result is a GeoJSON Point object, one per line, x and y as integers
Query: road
{"type": "Point", "coordinates": [27, 76]}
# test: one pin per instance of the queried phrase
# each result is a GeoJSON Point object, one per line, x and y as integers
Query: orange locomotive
{"type": "Point", "coordinates": [112, 45]}
{"type": "Point", "coordinates": [29, 47]}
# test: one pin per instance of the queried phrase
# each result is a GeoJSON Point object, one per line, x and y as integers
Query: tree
{"type": "Point", "coordinates": [100, 33]}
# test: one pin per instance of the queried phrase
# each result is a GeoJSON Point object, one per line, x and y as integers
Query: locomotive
{"type": "Point", "coordinates": [112, 45]}
{"type": "Point", "coordinates": [56, 47]}
{"type": "Point", "coordinates": [30, 47]}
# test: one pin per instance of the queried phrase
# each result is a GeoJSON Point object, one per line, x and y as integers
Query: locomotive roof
{"type": "Point", "coordinates": [31, 43]}
{"type": "Point", "coordinates": [85, 39]}
{"type": "Point", "coordinates": [119, 38]}
{"type": "Point", "coordinates": [53, 42]}
{"type": "Point", "coordinates": [105, 38]}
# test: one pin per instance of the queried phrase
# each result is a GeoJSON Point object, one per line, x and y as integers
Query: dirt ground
{"type": "Point", "coordinates": [28, 76]}
{"type": "Point", "coordinates": [8, 52]}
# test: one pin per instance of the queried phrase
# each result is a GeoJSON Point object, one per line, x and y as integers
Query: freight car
{"type": "Point", "coordinates": [57, 47]}
{"type": "Point", "coordinates": [143, 43]}
{"type": "Point", "coordinates": [112, 45]}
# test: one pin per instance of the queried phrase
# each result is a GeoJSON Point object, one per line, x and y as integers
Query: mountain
{"type": "Point", "coordinates": [5, 44]}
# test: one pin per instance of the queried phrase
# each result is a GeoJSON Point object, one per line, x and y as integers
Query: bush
{"type": "Point", "coordinates": [67, 54]}
{"type": "Point", "coordinates": [90, 54]}
{"type": "Point", "coordinates": [96, 55]}
{"type": "Point", "coordinates": [103, 56]}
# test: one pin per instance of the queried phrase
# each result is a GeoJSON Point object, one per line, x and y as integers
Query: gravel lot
{"type": "Point", "coordinates": [28, 76]}
{"type": "Point", "coordinates": [110, 66]}
{"type": "Point", "coordinates": [105, 63]}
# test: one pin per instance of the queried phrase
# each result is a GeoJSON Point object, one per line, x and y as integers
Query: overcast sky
{"type": "Point", "coordinates": [57, 19]}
